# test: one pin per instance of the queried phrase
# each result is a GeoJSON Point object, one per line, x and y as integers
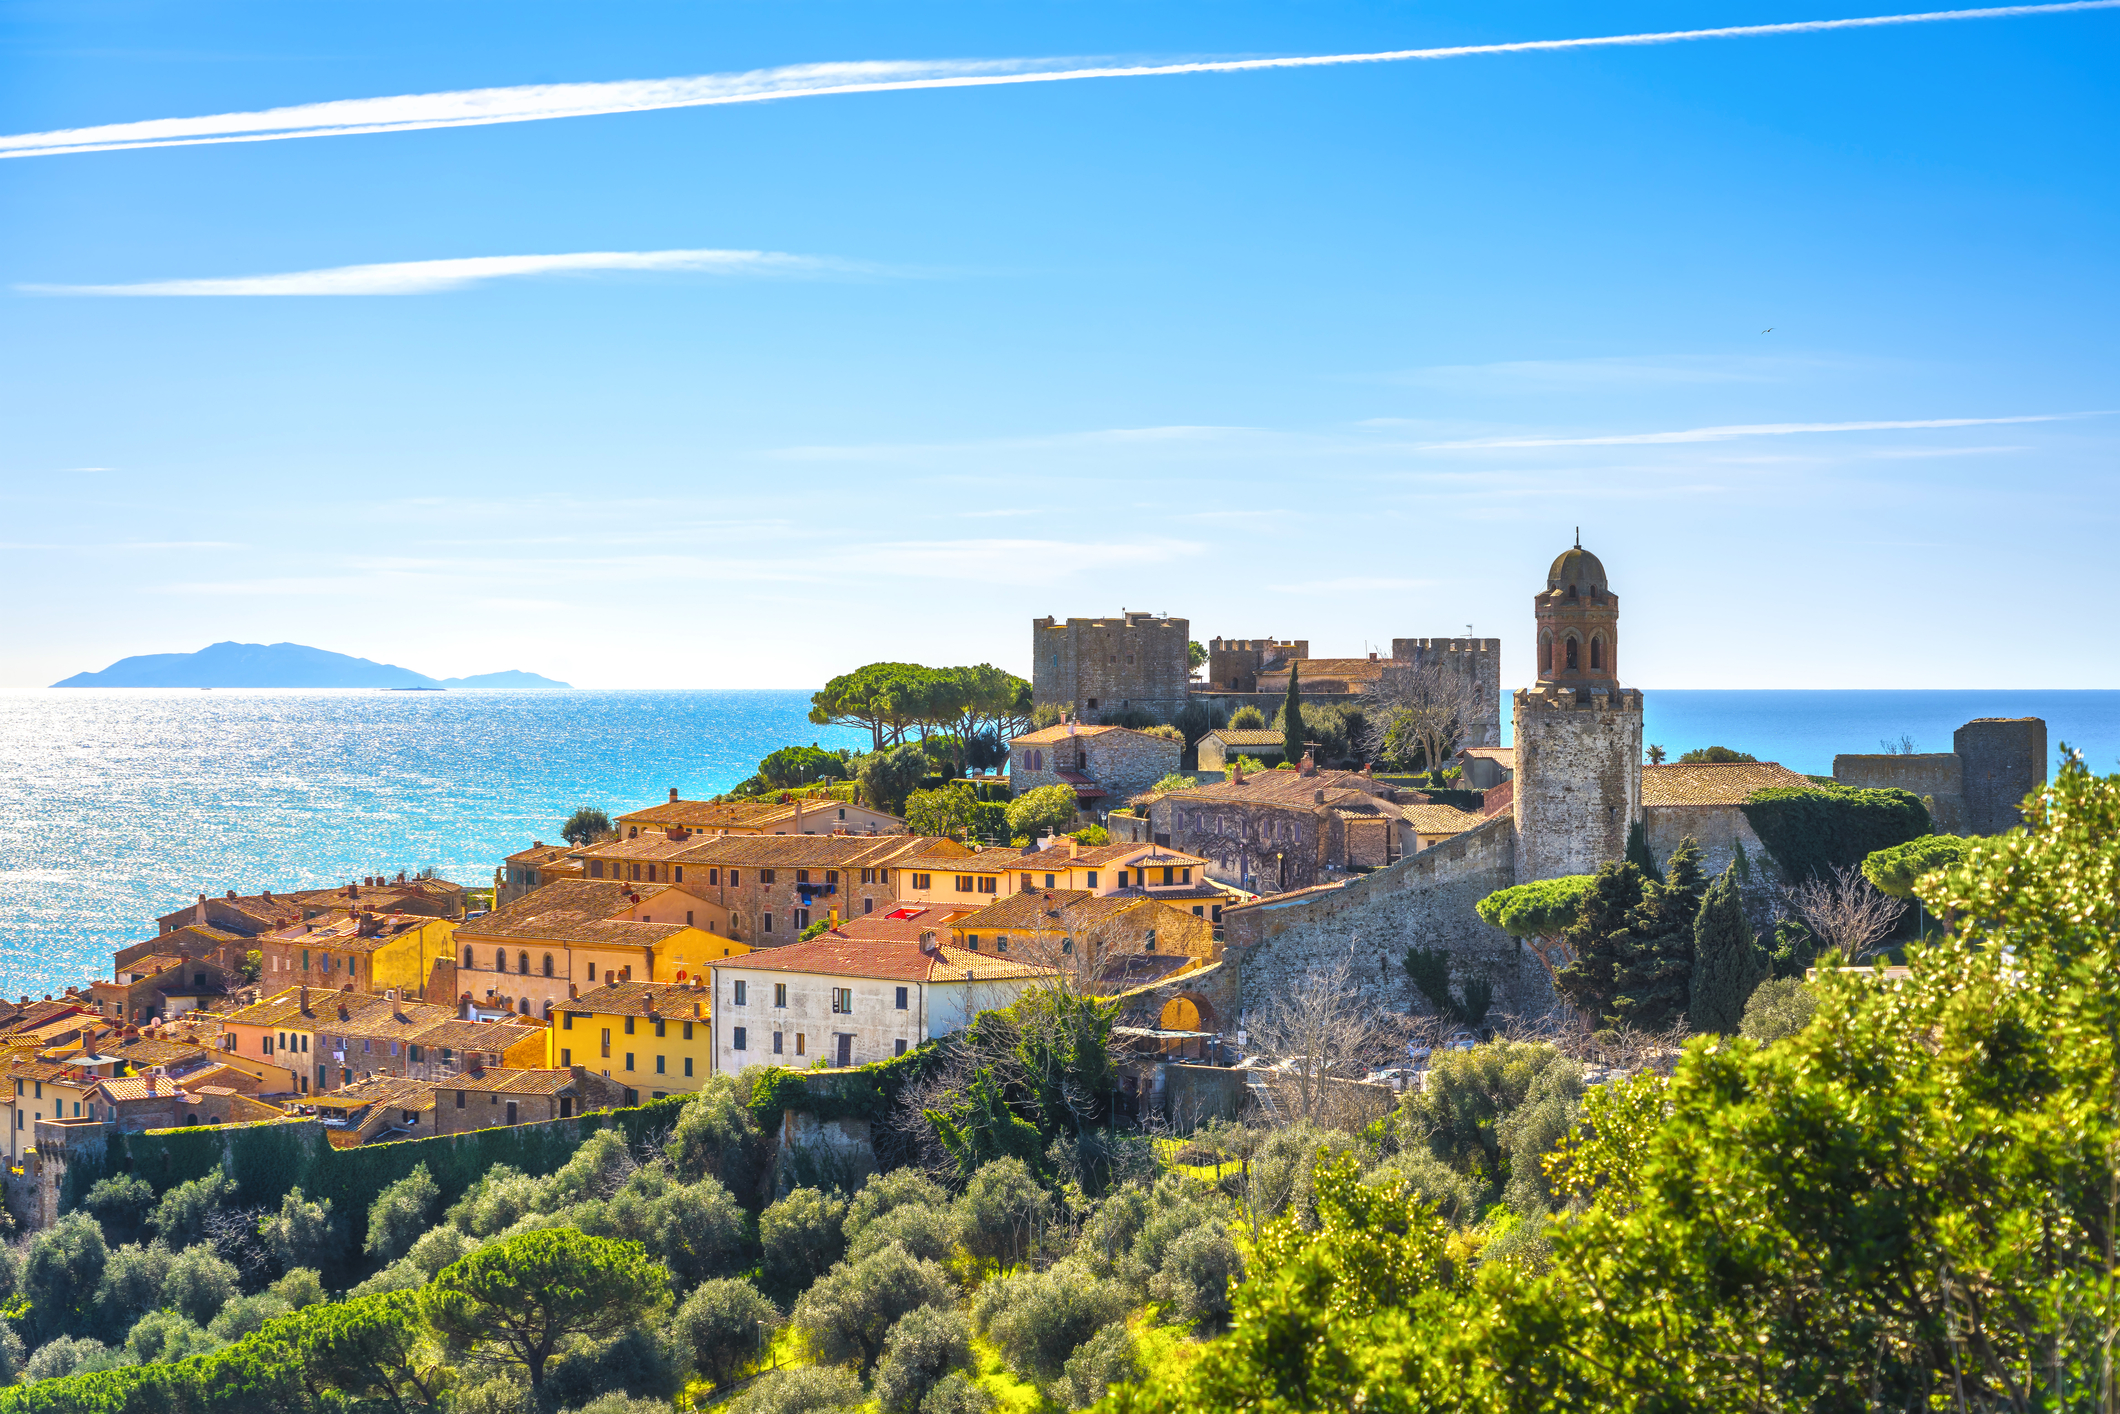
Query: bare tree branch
{"type": "Point", "coordinates": [1845, 913]}
{"type": "Point", "coordinates": [1315, 1035]}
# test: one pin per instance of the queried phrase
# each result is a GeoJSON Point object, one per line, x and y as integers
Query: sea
{"type": "Point", "coordinates": [119, 805]}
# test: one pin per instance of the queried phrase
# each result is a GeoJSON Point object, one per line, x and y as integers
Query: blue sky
{"type": "Point", "coordinates": [1341, 353]}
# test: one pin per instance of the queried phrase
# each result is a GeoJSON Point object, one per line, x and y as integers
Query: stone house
{"type": "Point", "coordinates": [1105, 766]}
{"type": "Point", "coordinates": [361, 1042]}
{"type": "Point", "coordinates": [37, 1090]}
{"type": "Point", "coordinates": [533, 868]}
{"type": "Point", "coordinates": [681, 819]}
{"type": "Point", "coordinates": [485, 1099]}
{"type": "Point", "coordinates": [140, 1102]}
{"type": "Point", "coordinates": [160, 985]}
{"type": "Point", "coordinates": [1486, 767]}
{"type": "Point", "coordinates": [449, 1048]}
{"type": "Point", "coordinates": [1045, 926]}
{"type": "Point", "coordinates": [770, 887]}
{"type": "Point", "coordinates": [850, 1002]}
{"type": "Point", "coordinates": [1704, 801]}
{"type": "Point", "coordinates": [1272, 831]}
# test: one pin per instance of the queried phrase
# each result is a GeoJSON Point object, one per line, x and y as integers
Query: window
{"type": "Point", "coordinates": [1571, 648]}
{"type": "Point", "coordinates": [776, 1043]}
{"type": "Point", "coordinates": [596, 869]}
{"type": "Point", "coordinates": [500, 960]}
{"type": "Point", "coordinates": [780, 994]}
{"type": "Point", "coordinates": [1170, 876]}
{"type": "Point", "coordinates": [714, 876]}
{"type": "Point", "coordinates": [831, 876]}
{"type": "Point", "coordinates": [305, 958]}
{"type": "Point", "coordinates": [868, 905]}
{"type": "Point", "coordinates": [688, 1031]}
{"type": "Point", "coordinates": [688, 1065]}
{"type": "Point", "coordinates": [901, 1045]}
{"type": "Point", "coordinates": [971, 940]}
{"type": "Point", "coordinates": [632, 1097]}
{"type": "Point", "coordinates": [522, 964]}
{"type": "Point", "coordinates": [741, 991]}
{"type": "Point", "coordinates": [1049, 880]}
{"type": "Point", "coordinates": [842, 1001]}
{"type": "Point", "coordinates": [989, 884]}
{"type": "Point", "coordinates": [1185, 875]}
{"type": "Point", "coordinates": [1067, 945]}
{"type": "Point", "coordinates": [677, 876]}
{"type": "Point", "coordinates": [566, 1021]}
{"type": "Point", "coordinates": [566, 1056]}
{"type": "Point", "coordinates": [1001, 942]}
{"type": "Point", "coordinates": [802, 919]}
{"type": "Point", "coordinates": [688, 918]}
{"type": "Point", "coordinates": [629, 1026]}
{"type": "Point", "coordinates": [1545, 655]}
{"type": "Point", "coordinates": [902, 997]}
{"type": "Point", "coordinates": [607, 1043]}
{"type": "Point", "coordinates": [659, 1069]}
{"type": "Point", "coordinates": [732, 878]}
{"type": "Point", "coordinates": [736, 1039]}
{"type": "Point", "coordinates": [1151, 940]}
{"type": "Point", "coordinates": [592, 972]}
{"type": "Point", "coordinates": [765, 876]}
{"type": "Point", "coordinates": [1027, 882]}
{"type": "Point", "coordinates": [1597, 652]}
{"type": "Point", "coordinates": [799, 1047]}
{"type": "Point", "coordinates": [802, 876]}
{"type": "Point", "coordinates": [1122, 879]}
{"type": "Point", "coordinates": [1093, 878]}
{"type": "Point", "coordinates": [769, 922]}
{"type": "Point", "coordinates": [868, 876]}
{"type": "Point", "coordinates": [920, 881]}
{"type": "Point", "coordinates": [629, 1060]}
{"type": "Point", "coordinates": [459, 1099]}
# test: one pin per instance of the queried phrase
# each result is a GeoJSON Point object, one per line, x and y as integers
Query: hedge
{"type": "Point", "coordinates": [1537, 910]}
{"type": "Point", "coordinates": [270, 1157]}
{"type": "Point", "coordinates": [1813, 830]}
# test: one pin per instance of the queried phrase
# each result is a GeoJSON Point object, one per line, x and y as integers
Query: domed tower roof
{"type": "Point", "coordinates": [1578, 623]}
{"type": "Point", "coordinates": [1580, 568]}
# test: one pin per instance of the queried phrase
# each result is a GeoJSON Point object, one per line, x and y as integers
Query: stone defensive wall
{"type": "Point", "coordinates": [1424, 900]}
{"type": "Point", "coordinates": [1940, 775]}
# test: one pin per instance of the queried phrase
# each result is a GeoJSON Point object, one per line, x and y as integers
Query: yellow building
{"type": "Point", "coordinates": [653, 1038]}
{"type": "Point", "coordinates": [571, 937]}
{"type": "Point", "coordinates": [373, 951]}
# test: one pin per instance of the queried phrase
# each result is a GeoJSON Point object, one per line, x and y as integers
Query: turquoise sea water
{"type": "Point", "coordinates": [123, 804]}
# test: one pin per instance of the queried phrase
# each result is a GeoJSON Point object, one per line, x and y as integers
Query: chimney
{"type": "Point", "coordinates": [200, 918]}
{"type": "Point", "coordinates": [1318, 797]}
{"type": "Point", "coordinates": [1074, 847]}
{"type": "Point", "coordinates": [537, 844]}
{"type": "Point", "coordinates": [1309, 764]}
{"type": "Point", "coordinates": [303, 1001]}
{"type": "Point", "coordinates": [798, 816]}
{"type": "Point", "coordinates": [1236, 775]}
{"type": "Point", "coordinates": [673, 795]}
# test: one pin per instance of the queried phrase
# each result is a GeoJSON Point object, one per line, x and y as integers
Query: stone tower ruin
{"type": "Point", "coordinates": [1097, 666]}
{"type": "Point", "coordinates": [1578, 732]}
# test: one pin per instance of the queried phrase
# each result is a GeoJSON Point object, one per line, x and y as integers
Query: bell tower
{"type": "Point", "coordinates": [1578, 732]}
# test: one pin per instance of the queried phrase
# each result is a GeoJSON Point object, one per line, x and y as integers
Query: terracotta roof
{"type": "Point", "coordinates": [1504, 754]}
{"type": "Point", "coordinates": [402, 1021]}
{"type": "Point", "coordinates": [1246, 737]}
{"type": "Point", "coordinates": [342, 932]}
{"type": "Point", "coordinates": [392, 1090]}
{"type": "Point", "coordinates": [511, 1082]}
{"type": "Point", "coordinates": [283, 1007]}
{"type": "Point", "coordinates": [494, 1037]}
{"type": "Point", "coordinates": [141, 1087]}
{"type": "Point", "coordinates": [40, 1014]}
{"type": "Point", "coordinates": [1440, 819]}
{"type": "Point", "coordinates": [149, 1050]}
{"type": "Point", "coordinates": [158, 962]}
{"type": "Point", "coordinates": [47, 1070]}
{"type": "Point", "coordinates": [1031, 909]}
{"type": "Point", "coordinates": [742, 814]}
{"type": "Point", "coordinates": [1292, 789]}
{"type": "Point", "coordinates": [210, 1077]}
{"type": "Point", "coordinates": [826, 956]}
{"type": "Point", "coordinates": [888, 927]}
{"type": "Point", "coordinates": [574, 911]}
{"type": "Point", "coordinates": [667, 999]}
{"type": "Point", "coordinates": [1060, 731]}
{"type": "Point", "coordinates": [1102, 855]}
{"type": "Point", "coordinates": [537, 854]}
{"type": "Point", "coordinates": [1728, 783]}
{"type": "Point", "coordinates": [812, 851]}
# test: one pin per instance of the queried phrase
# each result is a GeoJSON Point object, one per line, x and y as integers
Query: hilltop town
{"type": "Point", "coordinates": [1284, 895]}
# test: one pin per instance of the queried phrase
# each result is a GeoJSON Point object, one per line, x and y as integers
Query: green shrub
{"type": "Point", "coordinates": [133, 1281]}
{"type": "Point", "coordinates": [803, 1236]}
{"type": "Point", "coordinates": [848, 1312]}
{"type": "Point", "coordinates": [925, 1346]}
{"type": "Point", "coordinates": [1779, 1007]}
{"type": "Point", "coordinates": [1038, 1319]}
{"type": "Point", "coordinates": [959, 1393]}
{"type": "Point", "coordinates": [400, 1214]}
{"type": "Point", "coordinates": [1199, 1268]}
{"type": "Point", "coordinates": [199, 1283]}
{"type": "Point", "coordinates": [1538, 910]}
{"type": "Point", "coordinates": [1107, 1358]}
{"type": "Point", "coordinates": [166, 1336]}
{"type": "Point", "coordinates": [808, 1390]}
{"type": "Point", "coordinates": [723, 1325]}
{"type": "Point", "coordinates": [1047, 808]}
{"type": "Point", "coordinates": [70, 1355]}
{"type": "Point", "coordinates": [1813, 830]}
{"type": "Point", "coordinates": [1897, 870]}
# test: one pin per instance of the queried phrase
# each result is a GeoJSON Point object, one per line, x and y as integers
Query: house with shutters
{"type": "Point", "coordinates": [653, 1038]}
{"type": "Point", "coordinates": [1104, 766]}
{"type": "Point", "coordinates": [851, 1001]}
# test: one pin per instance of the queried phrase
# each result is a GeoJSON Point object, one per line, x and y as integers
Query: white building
{"type": "Point", "coordinates": [852, 1001]}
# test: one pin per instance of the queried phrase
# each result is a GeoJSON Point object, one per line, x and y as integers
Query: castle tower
{"type": "Point", "coordinates": [1578, 732]}
{"type": "Point", "coordinates": [1130, 662]}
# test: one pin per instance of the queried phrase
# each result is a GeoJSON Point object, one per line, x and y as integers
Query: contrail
{"type": "Point", "coordinates": [418, 277]}
{"type": "Point", "coordinates": [530, 103]}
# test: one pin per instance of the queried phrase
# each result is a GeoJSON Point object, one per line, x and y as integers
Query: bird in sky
{"type": "Point", "coordinates": [1766, 331]}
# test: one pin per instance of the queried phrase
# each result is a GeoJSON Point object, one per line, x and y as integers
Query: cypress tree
{"type": "Point", "coordinates": [1726, 962]}
{"type": "Point", "coordinates": [1292, 717]}
{"type": "Point", "coordinates": [1599, 937]}
{"type": "Point", "coordinates": [1655, 967]}
{"type": "Point", "coordinates": [1638, 854]}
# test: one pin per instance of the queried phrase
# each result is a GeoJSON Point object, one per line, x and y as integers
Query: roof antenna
{"type": "Point", "coordinates": [1578, 537]}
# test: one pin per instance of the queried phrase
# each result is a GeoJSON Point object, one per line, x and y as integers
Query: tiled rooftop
{"type": "Point", "coordinates": [826, 956]}
{"type": "Point", "coordinates": [672, 999]}
{"type": "Point", "coordinates": [1063, 731]}
{"type": "Point", "coordinates": [574, 911]}
{"type": "Point", "coordinates": [1728, 783]}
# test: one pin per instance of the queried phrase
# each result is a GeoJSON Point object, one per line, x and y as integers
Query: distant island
{"type": "Point", "coordinates": [281, 665]}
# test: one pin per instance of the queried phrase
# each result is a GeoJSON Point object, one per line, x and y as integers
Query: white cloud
{"type": "Point", "coordinates": [1760, 429]}
{"type": "Point", "coordinates": [533, 102]}
{"type": "Point", "coordinates": [419, 277]}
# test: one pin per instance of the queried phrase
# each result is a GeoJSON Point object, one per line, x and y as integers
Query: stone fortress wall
{"type": "Point", "coordinates": [1975, 788]}
{"type": "Point", "coordinates": [1094, 666]}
